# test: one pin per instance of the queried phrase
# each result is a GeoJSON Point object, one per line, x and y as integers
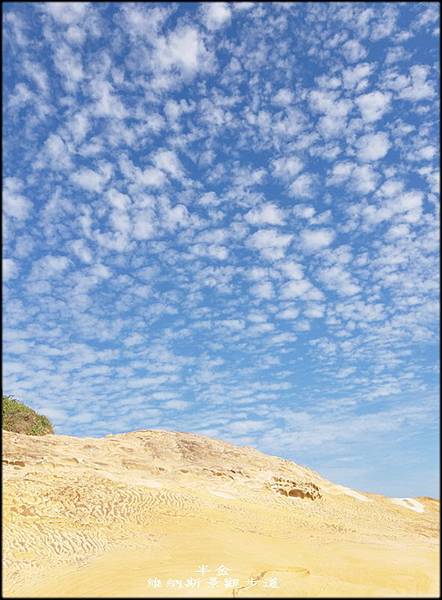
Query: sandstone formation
{"type": "Point", "coordinates": [156, 513]}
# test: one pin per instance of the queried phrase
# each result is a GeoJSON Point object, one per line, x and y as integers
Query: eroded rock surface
{"type": "Point", "coordinates": [110, 517]}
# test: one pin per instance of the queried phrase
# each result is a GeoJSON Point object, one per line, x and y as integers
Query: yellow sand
{"type": "Point", "coordinates": [155, 513]}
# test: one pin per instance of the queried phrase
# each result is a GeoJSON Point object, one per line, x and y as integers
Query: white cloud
{"type": "Point", "coordinates": [283, 97]}
{"type": "Point", "coordinates": [406, 206]}
{"type": "Point", "coordinates": [216, 14]}
{"type": "Point", "coordinates": [419, 88]}
{"type": "Point", "coordinates": [373, 146]}
{"type": "Point", "coordinates": [107, 102]}
{"type": "Point", "coordinates": [57, 153]}
{"type": "Point", "coordinates": [100, 271]}
{"type": "Point", "coordinates": [256, 273]}
{"type": "Point", "coordinates": [303, 186]}
{"type": "Point", "coordinates": [292, 269]}
{"type": "Point", "coordinates": [134, 339]}
{"type": "Point", "coordinates": [316, 239]}
{"type": "Point", "coordinates": [49, 266]}
{"type": "Point", "coordinates": [9, 268]}
{"type": "Point", "coordinates": [287, 167]}
{"type": "Point", "coordinates": [263, 290]}
{"type": "Point", "coordinates": [396, 54]}
{"type": "Point", "coordinates": [314, 311]}
{"type": "Point", "coordinates": [270, 243]}
{"type": "Point", "coordinates": [391, 187]}
{"type": "Point", "coordinates": [66, 12]}
{"type": "Point", "coordinates": [410, 202]}
{"type": "Point", "coordinates": [90, 180]}
{"type": "Point", "coordinates": [143, 225]}
{"type": "Point", "coordinates": [173, 109]}
{"type": "Point", "coordinates": [38, 74]}
{"type": "Point", "coordinates": [326, 101]}
{"type": "Point", "coordinates": [142, 19]}
{"type": "Point", "coordinates": [353, 51]}
{"type": "Point", "coordinates": [184, 49]}
{"type": "Point", "coordinates": [176, 404]}
{"type": "Point", "coordinates": [430, 15]}
{"type": "Point", "coordinates": [303, 211]}
{"type": "Point", "coordinates": [168, 161]}
{"type": "Point", "coordinates": [70, 65]}
{"type": "Point", "coordinates": [242, 5]}
{"type": "Point", "coordinates": [345, 372]}
{"type": "Point", "coordinates": [246, 426]}
{"type": "Point", "coordinates": [81, 250]}
{"type": "Point", "coordinates": [266, 214]}
{"type": "Point", "coordinates": [428, 152]}
{"type": "Point", "coordinates": [120, 222]}
{"type": "Point", "coordinates": [354, 75]}
{"type": "Point", "coordinates": [295, 288]}
{"type": "Point", "coordinates": [218, 252]}
{"type": "Point", "coordinates": [174, 216]}
{"type": "Point", "coordinates": [399, 231]}
{"type": "Point", "coordinates": [117, 199]}
{"type": "Point", "coordinates": [364, 179]}
{"type": "Point", "coordinates": [216, 236]}
{"type": "Point", "coordinates": [385, 23]}
{"type": "Point", "coordinates": [335, 109]}
{"type": "Point", "coordinates": [288, 313]}
{"type": "Point", "coordinates": [79, 125]}
{"type": "Point", "coordinates": [152, 177]}
{"type": "Point", "coordinates": [14, 203]}
{"type": "Point", "coordinates": [341, 172]}
{"type": "Point", "coordinates": [336, 278]}
{"type": "Point", "coordinates": [373, 105]}
{"type": "Point", "coordinates": [22, 95]}
{"type": "Point", "coordinates": [76, 35]}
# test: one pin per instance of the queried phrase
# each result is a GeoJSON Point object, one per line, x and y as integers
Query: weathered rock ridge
{"type": "Point", "coordinates": [140, 514]}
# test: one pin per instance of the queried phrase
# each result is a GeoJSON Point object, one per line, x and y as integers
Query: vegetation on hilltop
{"type": "Point", "coordinates": [20, 418]}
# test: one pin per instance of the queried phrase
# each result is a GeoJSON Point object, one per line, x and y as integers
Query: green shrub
{"type": "Point", "coordinates": [20, 418]}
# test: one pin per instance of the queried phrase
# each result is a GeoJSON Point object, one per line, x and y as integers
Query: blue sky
{"type": "Point", "coordinates": [223, 218]}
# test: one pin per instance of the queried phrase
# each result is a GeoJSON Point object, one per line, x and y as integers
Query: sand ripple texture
{"type": "Point", "coordinates": [158, 513]}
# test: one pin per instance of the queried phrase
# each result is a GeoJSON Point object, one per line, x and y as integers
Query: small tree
{"type": "Point", "coordinates": [20, 418]}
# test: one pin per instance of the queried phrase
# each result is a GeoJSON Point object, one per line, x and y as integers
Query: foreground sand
{"type": "Point", "coordinates": [155, 513]}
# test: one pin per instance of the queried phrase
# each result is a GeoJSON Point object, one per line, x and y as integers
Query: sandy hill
{"type": "Point", "coordinates": [156, 513]}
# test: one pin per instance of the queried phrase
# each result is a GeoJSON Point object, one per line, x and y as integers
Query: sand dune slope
{"type": "Point", "coordinates": [156, 513]}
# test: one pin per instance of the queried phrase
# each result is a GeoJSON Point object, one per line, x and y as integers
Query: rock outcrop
{"type": "Point", "coordinates": [154, 513]}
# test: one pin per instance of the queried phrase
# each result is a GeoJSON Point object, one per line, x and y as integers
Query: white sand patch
{"type": "Point", "coordinates": [150, 483]}
{"type": "Point", "coordinates": [129, 478]}
{"type": "Point", "coordinates": [337, 490]}
{"type": "Point", "coordinates": [409, 503]}
{"type": "Point", "coordinates": [353, 493]}
{"type": "Point", "coordinates": [222, 494]}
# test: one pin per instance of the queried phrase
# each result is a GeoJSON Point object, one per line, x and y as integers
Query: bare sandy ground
{"type": "Point", "coordinates": [155, 513]}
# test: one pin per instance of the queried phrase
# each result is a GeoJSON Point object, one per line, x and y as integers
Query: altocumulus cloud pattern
{"type": "Point", "coordinates": [222, 218]}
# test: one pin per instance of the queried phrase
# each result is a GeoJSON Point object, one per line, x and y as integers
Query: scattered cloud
{"type": "Point", "coordinates": [216, 14]}
{"type": "Point", "coordinates": [202, 211]}
{"type": "Point", "coordinates": [316, 239]}
{"type": "Point", "coordinates": [373, 105]}
{"type": "Point", "coordinates": [270, 243]}
{"type": "Point", "coordinates": [373, 146]}
{"type": "Point", "coordinates": [266, 214]}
